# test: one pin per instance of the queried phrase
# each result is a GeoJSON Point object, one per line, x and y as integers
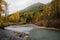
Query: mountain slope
{"type": "Point", "coordinates": [34, 7]}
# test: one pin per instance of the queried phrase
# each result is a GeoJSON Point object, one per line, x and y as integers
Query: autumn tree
{"type": "Point", "coordinates": [14, 17]}
{"type": "Point", "coordinates": [51, 14]}
{"type": "Point", "coordinates": [3, 8]}
{"type": "Point", "coordinates": [56, 7]}
{"type": "Point", "coordinates": [56, 12]}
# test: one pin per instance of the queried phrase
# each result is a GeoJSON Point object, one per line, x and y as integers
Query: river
{"type": "Point", "coordinates": [36, 33]}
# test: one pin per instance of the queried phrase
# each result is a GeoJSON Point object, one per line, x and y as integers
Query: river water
{"type": "Point", "coordinates": [35, 33]}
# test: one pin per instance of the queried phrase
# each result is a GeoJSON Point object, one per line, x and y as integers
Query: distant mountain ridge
{"type": "Point", "coordinates": [33, 7]}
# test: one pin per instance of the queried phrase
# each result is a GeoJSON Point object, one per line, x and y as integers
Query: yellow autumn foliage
{"type": "Point", "coordinates": [14, 17]}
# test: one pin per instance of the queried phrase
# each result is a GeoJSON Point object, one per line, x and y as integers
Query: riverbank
{"type": "Point", "coordinates": [48, 28]}
{"type": "Point", "coordinates": [41, 27]}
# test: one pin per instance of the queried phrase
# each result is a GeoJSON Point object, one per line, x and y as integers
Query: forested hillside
{"type": "Point", "coordinates": [47, 15]}
{"type": "Point", "coordinates": [40, 14]}
{"type": "Point", "coordinates": [52, 14]}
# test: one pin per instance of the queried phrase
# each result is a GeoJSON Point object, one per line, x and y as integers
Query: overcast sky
{"type": "Point", "coordinates": [16, 5]}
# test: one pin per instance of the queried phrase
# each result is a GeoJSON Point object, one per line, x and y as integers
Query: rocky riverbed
{"type": "Point", "coordinates": [12, 35]}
